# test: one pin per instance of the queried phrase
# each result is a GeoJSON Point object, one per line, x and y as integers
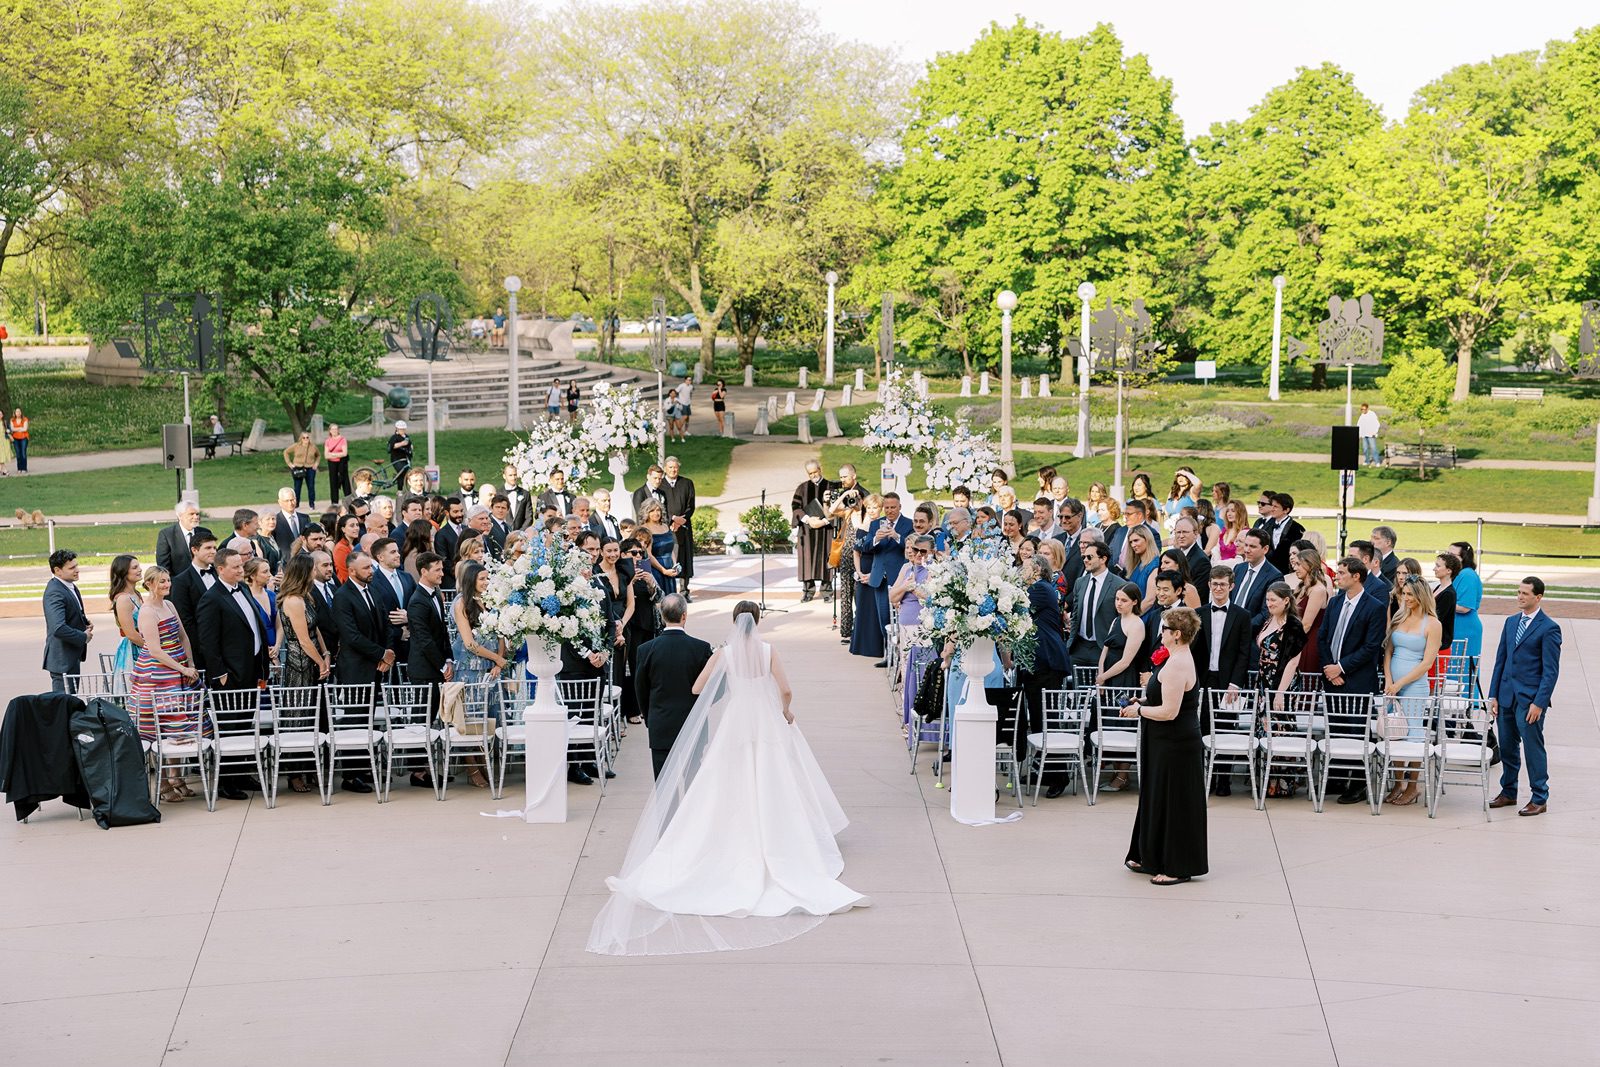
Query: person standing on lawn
{"type": "Point", "coordinates": [18, 428]}
{"type": "Point", "coordinates": [1367, 428]}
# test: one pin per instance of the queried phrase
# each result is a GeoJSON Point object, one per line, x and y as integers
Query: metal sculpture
{"type": "Point", "coordinates": [1351, 334]}
{"type": "Point", "coordinates": [429, 328]}
{"type": "Point", "coordinates": [1122, 340]}
{"type": "Point", "coordinates": [1588, 365]}
{"type": "Point", "coordinates": [181, 333]}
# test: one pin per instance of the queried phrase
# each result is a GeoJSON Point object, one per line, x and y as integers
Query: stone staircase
{"type": "Point", "coordinates": [476, 388]}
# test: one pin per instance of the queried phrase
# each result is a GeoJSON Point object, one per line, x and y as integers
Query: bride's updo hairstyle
{"type": "Point", "coordinates": [750, 608]}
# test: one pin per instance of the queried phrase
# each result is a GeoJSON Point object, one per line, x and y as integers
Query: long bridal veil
{"type": "Point", "coordinates": [672, 899]}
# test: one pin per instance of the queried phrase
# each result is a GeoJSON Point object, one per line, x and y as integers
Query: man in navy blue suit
{"type": "Point", "coordinates": [1351, 645]}
{"type": "Point", "coordinates": [1525, 670]}
{"type": "Point", "coordinates": [1252, 576]}
{"type": "Point", "coordinates": [886, 547]}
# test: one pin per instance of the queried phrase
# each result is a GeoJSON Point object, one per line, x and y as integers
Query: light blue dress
{"type": "Point", "coordinates": [1407, 656]}
{"type": "Point", "coordinates": [122, 665]}
{"type": "Point", "coordinates": [1469, 594]}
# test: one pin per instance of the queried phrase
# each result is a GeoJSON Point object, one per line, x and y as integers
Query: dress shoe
{"type": "Point", "coordinates": [881, 663]}
{"type": "Point", "coordinates": [356, 785]}
{"type": "Point", "coordinates": [687, 599]}
{"type": "Point", "coordinates": [228, 792]}
{"type": "Point", "coordinates": [1223, 787]}
{"type": "Point", "coordinates": [250, 785]}
{"type": "Point", "coordinates": [1354, 795]}
{"type": "Point", "coordinates": [1502, 801]}
{"type": "Point", "coordinates": [1055, 790]}
{"type": "Point", "coordinates": [422, 781]}
{"type": "Point", "coordinates": [1532, 809]}
{"type": "Point", "coordinates": [577, 777]}
{"type": "Point", "coordinates": [807, 596]}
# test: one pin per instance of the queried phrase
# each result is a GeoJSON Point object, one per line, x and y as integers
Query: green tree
{"type": "Point", "coordinates": [290, 238]}
{"type": "Point", "coordinates": [1440, 216]}
{"type": "Point", "coordinates": [1418, 387]}
{"type": "Point", "coordinates": [1033, 162]}
{"type": "Point", "coordinates": [1263, 199]}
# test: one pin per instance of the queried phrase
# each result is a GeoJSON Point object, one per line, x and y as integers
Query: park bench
{"type": "Point", "coordinates": [1516, 392]}
{"type": "Point", "coordinates": [234, 442]}
{"type": "Point", "coordinates": [1407, 455]}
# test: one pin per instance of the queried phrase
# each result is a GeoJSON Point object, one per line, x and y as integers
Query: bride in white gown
{"type": "Point", "coordinates": [735, 848]}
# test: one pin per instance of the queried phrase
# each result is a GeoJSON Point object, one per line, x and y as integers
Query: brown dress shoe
{"type": "Point", "coordinates": [1532, 809]}
{"type": "Point", "coordinates": [1501, 801]}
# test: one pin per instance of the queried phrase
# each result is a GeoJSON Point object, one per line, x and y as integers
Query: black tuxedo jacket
{"type": "Point", "coordinates": [363, 636]}
{"type": "Point", "coordinates": [1073, 567]}
{"type": "Point", "coordinates": [285, 532]}
{"type": "Point", "coordinates": [447, 542]}
{"type": "Point", "coordinates": [383, 596]}
{"type": "Point", "coordinates": [521, 507]}
{"type": "Point", "coordinates": [187, 589]}
{"type": "Point", "coordinates": [1196, 559]}
{"type": "Point", "coordinates": [663, 675]}
{"type": "Point", "coordinates": [430, 638]}
{"type": "Point", "coordinates": [1280, 555]}
{"type": "Point", "coordinates": [172, 549]}
{"type": "Point", "coordinates": [226, 641]}
{"type": "Point", "coordinates": [561, 501]}
{"type": "Point", "coordinates": [1233, 664]}
{"type": "Point", "coordinates": [644, 493]}
{"type": "Point", "coordinates": [495, 539]}
{"type": "Point", "coordinates": [327, 624]}
{"type": "Point", "coordinates": [606, 526]}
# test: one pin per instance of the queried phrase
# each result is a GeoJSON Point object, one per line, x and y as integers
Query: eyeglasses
{"type": "Point", "coordinates": [1168, 629]}
{"type": "Point", "coordinates": [1263, 503]}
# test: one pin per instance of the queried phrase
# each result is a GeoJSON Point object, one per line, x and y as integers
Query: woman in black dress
{"type": "Point", "coordinates": [1169, 831]}
{"type": "Point", "coordinates": [1119, 662]}
{"type": "Point", "coordinates": [641, 621]}
{"type": "Point", "coordinates": [719, 404]}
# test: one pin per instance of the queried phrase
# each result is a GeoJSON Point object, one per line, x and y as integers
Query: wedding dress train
{"type": "Point", "coordinates": [735, 848]}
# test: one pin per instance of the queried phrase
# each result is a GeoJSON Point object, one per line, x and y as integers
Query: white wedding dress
{"type": "Point", "coordinates": [735, 848]}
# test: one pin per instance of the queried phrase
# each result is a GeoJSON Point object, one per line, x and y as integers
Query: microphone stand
{"type": "Point", "coordinates": [761, 542]}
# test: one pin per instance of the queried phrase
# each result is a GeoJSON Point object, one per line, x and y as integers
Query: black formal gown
{"type": "Point", "coordinates": [1117, 644]}
{"type": "Point", "coordinates": [1169, 831]}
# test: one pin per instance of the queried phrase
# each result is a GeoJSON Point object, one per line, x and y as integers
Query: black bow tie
{"type": "Point", "coordinates": [212, 571]}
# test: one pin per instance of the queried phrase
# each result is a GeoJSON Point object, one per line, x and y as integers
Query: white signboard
{"type": "Point", "coordinates": [1205, 370]}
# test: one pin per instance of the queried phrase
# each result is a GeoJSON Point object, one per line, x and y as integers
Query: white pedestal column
{"type": "Point", "coordinates": [621, 499]}
{"type": "Point", "coordinates": [973, 772]}
{"type": "Point", "coordinates": [546, 723]}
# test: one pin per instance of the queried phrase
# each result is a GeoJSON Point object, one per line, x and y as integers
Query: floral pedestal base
{"type": "Point", "coordinates": [972, 777]}
{"type": "Point", "coordinates": [621, 499]}
{"type": "Point", "coordinates": [545, 721]}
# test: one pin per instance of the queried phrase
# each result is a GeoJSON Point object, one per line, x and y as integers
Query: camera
{"type": "Point", "coordinates": [850, 498]}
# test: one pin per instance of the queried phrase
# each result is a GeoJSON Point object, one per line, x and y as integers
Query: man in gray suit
{"type": "Point", "coordinates": [172, 545]}
{"type": "Point", "coordinates": [1094, 604]}
{"type": "Point", "coordinates": [66, 625]}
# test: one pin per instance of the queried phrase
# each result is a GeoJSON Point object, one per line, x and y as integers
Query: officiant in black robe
{"type": "Point", "coordinates": [677, 493]}
{"type": "Point", "coordinates": [809, 513]}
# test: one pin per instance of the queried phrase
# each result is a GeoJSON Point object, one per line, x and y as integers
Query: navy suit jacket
{"type": "Point", "coordinates": [1363, 643]}
{"type": "Point", "coordinates": [888, 555]}
{"type": "Point", "coordinates": [1044, 603]}
{"type": "Point", "coordinates": [1255, 601]}
{"type": "Point", "coordinates": [383, 596]}
{"type": "Point", "coordinates": [1525, 671]}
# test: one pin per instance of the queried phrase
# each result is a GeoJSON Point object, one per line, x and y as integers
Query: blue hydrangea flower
{"type": "Point", "coordinates": [550, 604]}
{"type": "Point", "coordinates": [517, 598]}
{"type": "Point", "coordinates": [986, 605]}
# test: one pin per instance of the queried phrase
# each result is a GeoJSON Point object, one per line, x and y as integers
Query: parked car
{"type": "Point", "coordinates": [583, 323]}
{"type": "Point", "coordinates": [681, 323]}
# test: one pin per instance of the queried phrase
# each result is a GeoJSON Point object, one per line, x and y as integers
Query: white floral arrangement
{"type": "Point", "coordinates": [542, 595]}
{"type": "Point", "coordinates": [962, 458]}
{"type": "Point", "coordinates": [551, 445]}
{"type": "Point", "coordinates": [618, 420]}
{"type": "Point", "coordinates": [973, 595]}
{"type": "Point", "coordinates": [903, 421]}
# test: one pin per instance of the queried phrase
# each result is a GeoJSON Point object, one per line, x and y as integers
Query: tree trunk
{"type": "Point", "coordinates": [1422, 461]}
{"type": "Point", "coordinates": [708, 348]}
{"type": "Point", "coordinates": [608, 338]}
{"type": "Point", "coordinates": [6, 406]}
{"type": "Point", "coordinates": [1463, 371]}
{"type": "Point", "coordinates": [1319, 376]}
{"type": "Point", "coordinates": [747, 349]}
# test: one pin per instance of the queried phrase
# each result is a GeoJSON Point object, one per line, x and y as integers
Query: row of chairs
{"type": "Point", "coordinates": [325, 730]}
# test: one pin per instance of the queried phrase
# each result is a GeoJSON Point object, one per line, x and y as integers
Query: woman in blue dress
{"type": "Point", "coordinates": [663, 547]}
{"type": "Point", "coordinates": [1469, 597]}
{"type": "Point", "coordinates": [476, 658]}
{"type": "Point", "coordinates": [1409, 652]}
{"type": "Point", "coordinates": [125, 577]}
{"type": "Point", "coordinates": [866, 636]}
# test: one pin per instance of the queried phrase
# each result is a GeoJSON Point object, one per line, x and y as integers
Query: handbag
{"type": "Point", "coordinates": [1391, 726]}
{"type": "Point", "coordinates": [453, 709]}
{"type": "Point", "coordinates": [836, 551]}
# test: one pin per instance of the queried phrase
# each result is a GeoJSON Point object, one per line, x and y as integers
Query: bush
{"type": "Point", "coordinates": [707, 531]}
{"type": "Point", "coordinates": [766, 526]}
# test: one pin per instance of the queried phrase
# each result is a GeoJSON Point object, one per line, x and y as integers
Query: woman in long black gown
{"type": "Point", "coordinates": [1169, 831]}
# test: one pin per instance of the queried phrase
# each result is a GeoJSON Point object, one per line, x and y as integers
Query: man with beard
{"type": "Point", "coordinates": [808, 509]}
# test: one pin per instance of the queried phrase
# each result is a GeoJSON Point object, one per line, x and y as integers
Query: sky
{"type": "Point", "coordinates": [1222, 56]}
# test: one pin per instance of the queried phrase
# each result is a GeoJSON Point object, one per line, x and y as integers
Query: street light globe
{"type": "Point", "coordinates": [833, 277]}
{"type": "Point", "coordinates": [512, 283]}
{"type": "Point", "coordinates": [1086, 291]}
{"type": "Point", "coordinates": [1279, 282]}
{"type": "Point", "coordinates": [1006, 301]}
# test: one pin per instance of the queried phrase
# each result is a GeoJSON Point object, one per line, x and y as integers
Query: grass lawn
{"type": "Point", "coordinates": [255, 479]}
{"type": "Point", "coordinates": [69, 415]}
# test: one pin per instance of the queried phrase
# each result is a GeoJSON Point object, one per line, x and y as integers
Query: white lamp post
{"type": "Point", "coordinates": [1594, 501]}
{"type": "Point", "coordinates": [827, 376]}
{"type": "Point", "coordinates": [1277, 332]}
{"type": "Point", "coordinates": [513, 391]}
{"type": "Point", "coordinates": [1007, 303]}
{"type": "Point", "coordinates": [1081, 449]}
{"type": "Point", "coordinates": [1349, 389]}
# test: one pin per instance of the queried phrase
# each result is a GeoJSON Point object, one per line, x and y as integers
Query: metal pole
{"type": "Point", "coordinates": [1007, 301]}
{"type": "Point", "coordinates": [514, 390]}
{"type": "Point", "coordinates": [1081, 449]}
{"type": "Point", "coordinates": [432, 464]}
{"type": "Point", "coordinates": [1277, 333]}
{"type": "Point", "coordinates": [188, 472]}
{"type": "Point", "coordinates": [1349, 385]}
{"type": "Point", "coordinates": [1116, 481]}
{"type": "Point", "coordinates": [658, 343]}
{"type": "Point", "coordinates": [1478, 543]}
{"type": "Point", "coordinates": [1594, 501]}
{"type": "Point", "coordinates": [827, 376]}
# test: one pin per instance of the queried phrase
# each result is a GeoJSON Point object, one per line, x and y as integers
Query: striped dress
{"type": "Point", "coordinates": [150, 676]}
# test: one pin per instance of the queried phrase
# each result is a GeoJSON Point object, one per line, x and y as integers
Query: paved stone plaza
{"type": "Point", "coordinates": [421, 932]}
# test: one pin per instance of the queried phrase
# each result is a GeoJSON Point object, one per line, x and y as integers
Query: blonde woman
{"type": "Point", "coordinates": [1235, 521]}
{"type": "Point", "coordinates": [1409, 652]}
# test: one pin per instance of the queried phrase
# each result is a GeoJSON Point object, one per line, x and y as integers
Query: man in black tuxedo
{"type": "Point", "coordinates": [521, 502]}
{"type": "Point", "coordinates": [1222, 654]}
{"type": "Point", "coordinates": [447, 540]}
{"type": "Point", "coordinates": [391, 591]}
{"type": "Point", "coordinates": [172, 544]}
{"type": "Point", "coordinates": [324, 584]}
{"type": "Point", "coordinates": [602, 521]}
{"type": "Point", "coordinates": [663, 679]}
{"type": "Point", "coordinates": [1252, 575]}
{"type": "Point", "coordinates": [1094, 605]}
{"type": "Point", "coordinates": [650, 490]}
{"type": "Point", "coordinates": [679, 493]}
{"type": "Point", "coordinates": [231, 645]}
{"type": "Point", "coordinates": [579, 664]}
{"type": "Point", "coordinates": [1383, 540]}
{"type": "Point", "coordinates": [429, 662]}
{"type": "Point", "coordinates": [190, 581]}
{"type": "Point", "coordinates": [558, 496]}
{"type": "Point", "coordinates": [1286, 530]}
{"type": "Point", "coordinates": [291, 523]}
{"type": "Point", "coordinates": [364, 653]}
{"type": "Point", "coordinates": [1350, 646]}
{"type": "Point", "coordinates": [1070, 518]}
{"type": "Point", "coordinates": [499, 525]}
{"type": "Point", "coordinates": [1186, 539]}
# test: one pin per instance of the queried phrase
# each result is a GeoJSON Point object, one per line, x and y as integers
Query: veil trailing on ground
{"type": "Point", "coordinates": [629, 925]}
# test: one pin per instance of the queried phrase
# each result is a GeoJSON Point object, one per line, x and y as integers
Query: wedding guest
{"type": "Point", "coordinates": [998, 480]}
{"type": "Point", "coordinates": [476, 658]}
{"type": "Point", "coordinates": [1108, 512]}
{"type": "Point", "coordinates": [265, 529]}
{"type": "Point", "coordinates": [472, 549]}
{"type": "Point", "coordinates": [1119, 653]}
{"type": "Point", "coordinates": [291, 523]}
{"type": "Point", "coordinates": [1409, 653]}
{"type": "Point", "coordinates": [1185, 488]}
{"type": "Point", "coordinates": [1176, 562]}
{"type": "Point", "coordinates": [164, 662]}
{"type": "Point", "coordinates": [1210, 529]}
{"type": "Point", "coordinates": [1043, 521]}
{"type": "Point", "coordinates": [1279, 649]}
{"type": "Point", "coordinates": [258, 582]}
{"type": "Point", "coordinates": [866, 633]}
{"type": "Point", "coordinates": [66, 625]}
{"type": "Point", "coordinates": [429, 663]}
{"type": "Point", "coordinates": [349, 540]}
{"type": "Point", "coordinates": [1312, 595]}
{"type": "Point", "coordinates": [191, 583]}
{"type": "Point", "coordinates": [663, 546]}
{"type": "Point", "coordinates": [172, 544]}
{"type": "Point", "coordinates": [336, 449]}
{"type": "Point", "coordinates": [1376, 586]}
{"type": "Point", "coordinates": [125, 600]}
{"type": "Point", "coordinates": [1047, 477]}
{"type": "Point", "coordinates": [1093, 605]}
{"type": "Point", "coordinates": [1253, 574]}
{"type": "Point", "coordinates": [1445, 569]}
{"type": "Point", "coordinates": [1051, 664]}
{"type": "Point", "coordinates": [1005, 503]}
{"type": "Point", "coordinates": [642, 622]}
{"type": "Point", "coordinates": [1526, 666]}
{"type": "Point", "coordinates": [1469, 598]}
{"type": "Point", "coordinates": [1235, 521]}
{"type": "Point", "coordinates": [1350, 647]}
{"type": "Point", "coordinates": [1139, 557]}
{"type": "Point", "coordinates": [883, 550]}
{"type": "Point", "coordinates": [905, 600]}
{"type": "Point", "coordinates": [303, 657]}
{"type": "Point", "coordinates": [1186, 539]}
{"type": "Point", "coordinates": [302, 458]}
{"type": "Point", "coordinates": [1221, 496]}
{"type": "Point", "coordinates": [1169, 829]}
{"type": "Point", "coordinates": [1144, 492]}
{"type": "Point", "coordinates": [1384, 540]}
{"type": "Point", "coordinates": [1286, 530]}
{"type": "Point", "coordinates": [1097, 493]}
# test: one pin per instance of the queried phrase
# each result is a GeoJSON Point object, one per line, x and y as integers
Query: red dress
{"type": "Point", "coordinates": [1309, 658]}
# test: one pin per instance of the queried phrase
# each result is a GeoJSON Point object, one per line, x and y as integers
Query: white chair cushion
{"type": "Point", "coordinates": [350, 738]}
{"type": "Point", "coordinates": [1232, 744]}
{"type": "Point", "coordinates": [239, 746]}
{"type": "Point", "coordinates": [1286, 746]}
{"type": "Point", "coordinates": [1058, 740]}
